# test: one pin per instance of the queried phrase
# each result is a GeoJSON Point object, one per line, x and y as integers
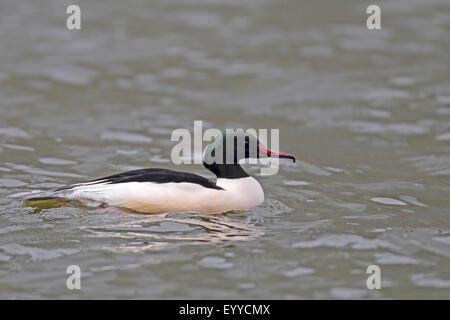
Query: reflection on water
{"type": "Point", "coordinates": [162, 230]}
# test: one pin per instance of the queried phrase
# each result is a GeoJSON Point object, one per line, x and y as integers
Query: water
{"type": "Point", "coordinates": [367, 113]}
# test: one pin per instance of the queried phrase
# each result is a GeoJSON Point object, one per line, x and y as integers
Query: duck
{"type": "Point", "coordinates": [160, 190]}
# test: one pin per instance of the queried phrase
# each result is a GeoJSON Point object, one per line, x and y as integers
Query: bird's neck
{"type": "Point", "coordinates": [228, 171]}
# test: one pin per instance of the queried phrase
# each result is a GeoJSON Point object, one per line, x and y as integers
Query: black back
{"type": "Point", "coordinates": [158, 175]}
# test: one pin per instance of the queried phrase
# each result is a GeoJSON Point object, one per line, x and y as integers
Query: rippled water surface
{"type": "Point", "coordinates": [367, 113]}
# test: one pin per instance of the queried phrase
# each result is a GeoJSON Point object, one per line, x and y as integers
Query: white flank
{"type": "Point", "coordinates": [150, 197]}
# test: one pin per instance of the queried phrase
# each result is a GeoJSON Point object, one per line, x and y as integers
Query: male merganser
{"type": "Point", "coordinates": [156, 190]}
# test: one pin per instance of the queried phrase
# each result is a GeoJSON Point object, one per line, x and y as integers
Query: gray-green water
{"type": "Point", "coordinates": [367, 113]}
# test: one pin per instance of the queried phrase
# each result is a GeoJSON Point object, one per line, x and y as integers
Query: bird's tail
{"type": "Point", "coordinates": [37, 195]}
{"type": "Point", "coordinates": [41, 199]}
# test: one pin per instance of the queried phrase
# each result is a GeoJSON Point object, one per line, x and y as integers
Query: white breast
{"type": "Point", "coordinates": [243, 193]}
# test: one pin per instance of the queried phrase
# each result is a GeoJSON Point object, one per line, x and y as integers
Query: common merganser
{"type": "Point", "coordinates": [156, 190]}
